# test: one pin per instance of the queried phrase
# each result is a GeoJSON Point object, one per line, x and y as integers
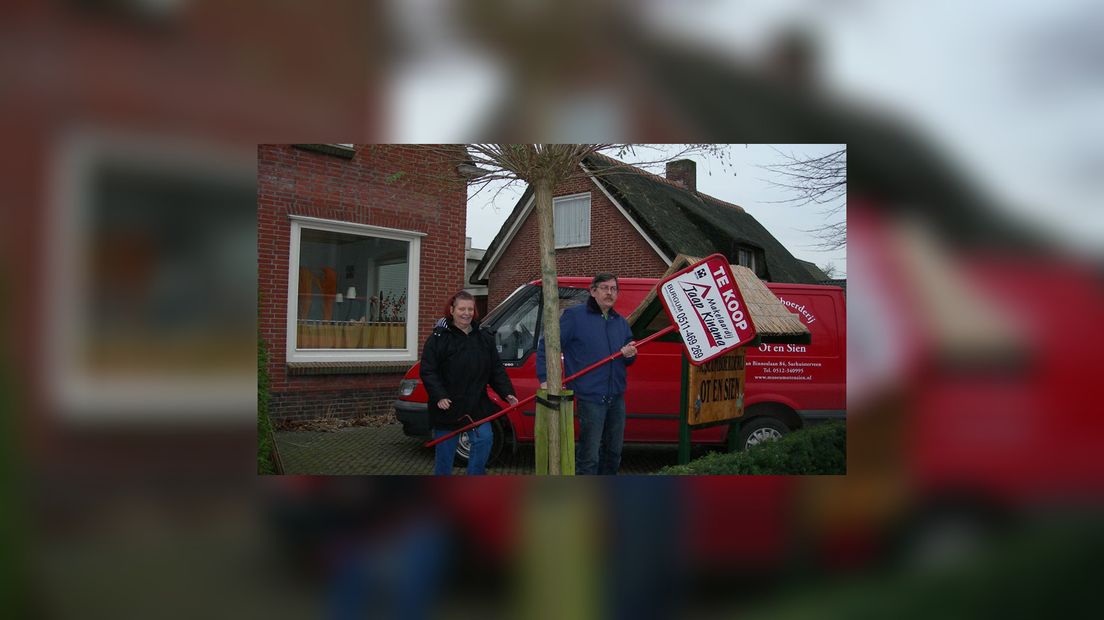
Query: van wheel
{"type": "Point", "coordinates": [463, 447]}
{"type": "Point", "coordinates": [759, 430]}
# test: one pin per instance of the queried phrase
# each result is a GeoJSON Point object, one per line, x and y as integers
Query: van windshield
{"type": "Point", "coordinates": [515, 321]}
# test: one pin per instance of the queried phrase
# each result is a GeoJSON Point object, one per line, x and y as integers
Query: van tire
{"type": "Point", "coordinates": [758, 430]}
{"type": "Point", "coordinates": [463, 447]}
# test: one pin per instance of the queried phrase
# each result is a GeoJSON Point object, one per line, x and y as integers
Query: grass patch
{"type": "Point", "coordinates": [265, 462]}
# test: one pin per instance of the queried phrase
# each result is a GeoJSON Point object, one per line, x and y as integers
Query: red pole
{"type": "Point", "coordinates": [528, 400]}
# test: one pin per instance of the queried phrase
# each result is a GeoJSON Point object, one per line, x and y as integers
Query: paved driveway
{"type": "Point", "coordinates": [385, 450]}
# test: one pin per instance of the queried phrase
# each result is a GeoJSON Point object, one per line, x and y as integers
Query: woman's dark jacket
{"type": "Point", "coordinates": [459, 367]}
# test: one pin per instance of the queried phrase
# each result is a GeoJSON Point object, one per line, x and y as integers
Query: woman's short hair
{"type": "Point", "coordinates": [457, 297]}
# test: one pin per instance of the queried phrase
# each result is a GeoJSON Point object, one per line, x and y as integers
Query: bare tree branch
{"type": "Point", "coordinates": [819, 181]}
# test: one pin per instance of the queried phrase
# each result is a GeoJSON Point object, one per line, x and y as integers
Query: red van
{"type": "Point", "coordinates": [788, 385]}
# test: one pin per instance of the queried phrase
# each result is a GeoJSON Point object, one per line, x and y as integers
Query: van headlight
{"type": "Point", "coordinates": [407, 387]}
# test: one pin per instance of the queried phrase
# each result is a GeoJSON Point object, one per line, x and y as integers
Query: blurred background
{"type": "Point", "coordinates": [128, 277]}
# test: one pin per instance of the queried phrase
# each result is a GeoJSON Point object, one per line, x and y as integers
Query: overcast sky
{"type": "Point", "coordinates": [739, 179]}
{"type": "Point", "coordinates": [1008, 92]}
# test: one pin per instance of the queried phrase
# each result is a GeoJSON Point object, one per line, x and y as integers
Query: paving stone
{"type": "Point", "coordinates": [385, 450]}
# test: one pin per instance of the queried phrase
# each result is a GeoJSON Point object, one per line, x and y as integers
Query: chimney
{"type": "Point", "coordinates": [684, 172]}
{"type": "Point", "coordinates": [794, 58]}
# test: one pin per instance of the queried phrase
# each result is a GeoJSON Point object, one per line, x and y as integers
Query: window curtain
{"type": "Point", "coordinates": [572, 221]}
{"type": "Point", "coordinates": [335, 335]}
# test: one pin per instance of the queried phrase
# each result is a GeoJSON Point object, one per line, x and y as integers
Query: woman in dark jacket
{"type": "Point", "coordinates": [459, 361]}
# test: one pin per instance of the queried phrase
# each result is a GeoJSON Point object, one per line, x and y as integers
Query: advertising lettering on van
{"type": "Point", "coordinates": [705, 304]}
{"type": "Point", "coordinates": [806, 315]}
{"type": "Point", "coordinates": [764, 368]}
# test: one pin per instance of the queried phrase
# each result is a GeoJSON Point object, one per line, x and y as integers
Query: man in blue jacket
{"type": "Point", "coordinates": [589, 333]}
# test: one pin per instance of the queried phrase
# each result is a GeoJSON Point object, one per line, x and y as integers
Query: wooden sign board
{"type": "Point", "coordinates": [716, 389]}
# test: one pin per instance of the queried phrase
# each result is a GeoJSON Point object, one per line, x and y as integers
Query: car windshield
{"type": "Point", "coordinates": [494, 317]}
{"type": "Point", "coordinates": [514, 321]}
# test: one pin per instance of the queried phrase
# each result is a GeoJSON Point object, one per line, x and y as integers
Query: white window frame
{"type": "Point", "coordinates": [414, 252]}
{"type": "Point", "coordinates": [76, 395]}
{"type": "Point", "coordinates": [590, 204]}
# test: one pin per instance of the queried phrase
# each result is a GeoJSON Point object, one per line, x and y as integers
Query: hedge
{"type": "Point", "coordinates": [820, 449]}
{"type": "Point", "coordinates": [265, 463]}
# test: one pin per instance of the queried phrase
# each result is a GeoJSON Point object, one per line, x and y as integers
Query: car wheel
{"type": "Point", "coordinates": [760, 430]}
{"type": "Point", "coordinates": [463, 447]}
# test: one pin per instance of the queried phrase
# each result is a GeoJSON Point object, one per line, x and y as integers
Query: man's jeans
{"type": "Point", "coordinates": [481, 437]}
{"type": "Point", "coordinates": [601, 434]}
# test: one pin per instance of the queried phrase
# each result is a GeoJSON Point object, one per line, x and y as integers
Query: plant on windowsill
{"type": "Point", "coordinates": [392, 308]}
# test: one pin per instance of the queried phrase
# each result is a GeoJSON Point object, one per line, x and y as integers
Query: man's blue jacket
{"type": "Point", "coordinates": [586, 337]}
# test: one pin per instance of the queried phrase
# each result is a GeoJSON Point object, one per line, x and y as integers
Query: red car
{"type": "Point", "coordinates": [787, 385]}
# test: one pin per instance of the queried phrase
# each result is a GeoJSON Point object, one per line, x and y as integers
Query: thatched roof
{"type": "Point", "coordinates": [817, 272]}
{"type": "Point", "coordinates": [675, 219]}
{"type": "Point", "coordinates": [681, 221]}
{"type": "Point", "coordinates": [773, 322]}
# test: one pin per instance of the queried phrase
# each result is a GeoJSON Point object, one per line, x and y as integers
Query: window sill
{"type": "Point", "coordinates": [328, 149]}
{"type": "Point", "coordinates": [568, 247]}
{"type": "Point", "coordinates": [347, 368]}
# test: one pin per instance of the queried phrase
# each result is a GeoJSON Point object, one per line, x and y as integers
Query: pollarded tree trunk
{"type": "Point", "coordinates": [543, 197]}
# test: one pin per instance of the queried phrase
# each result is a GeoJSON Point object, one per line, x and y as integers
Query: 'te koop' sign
{"type": "Point", "coordinates": [705, 303]}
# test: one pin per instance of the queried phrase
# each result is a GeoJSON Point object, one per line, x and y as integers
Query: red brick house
{"type": "Point", "coordinates": [358, 248]}
{"type": "Point", "coordinates": [633, 223]}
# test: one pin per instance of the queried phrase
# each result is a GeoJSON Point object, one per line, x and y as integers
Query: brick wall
{"type": "Point", "coordinates": [615, 246]}
{"type": "Point", "coordinates": [362, 190]}
{"type": "Point", "coordinates": [337, 403]}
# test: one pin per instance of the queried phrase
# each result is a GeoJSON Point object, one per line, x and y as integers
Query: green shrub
{"type": "Point", "coordinates": [265, 463]}
{"type": "Point", "coordinates": [821, 449]}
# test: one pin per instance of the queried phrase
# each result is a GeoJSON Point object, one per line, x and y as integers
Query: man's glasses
{"type": "Point", "coordinates": [607, 289]}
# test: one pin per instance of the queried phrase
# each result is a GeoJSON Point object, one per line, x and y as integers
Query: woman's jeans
{"type": "Point", "coordinates": [601, 434]}
{"type": "Point", "coordinates": [481, 437]}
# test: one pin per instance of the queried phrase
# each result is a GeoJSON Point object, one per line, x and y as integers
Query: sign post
{"type": "Point", "coordinates": [712, 395]}
{"type": "Point", "coordinates": [705, 303]}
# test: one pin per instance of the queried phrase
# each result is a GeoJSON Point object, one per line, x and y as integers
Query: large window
{"type": "Point", "coordinates": [149, 263]}
{"type": "Point", "coordinates": [572, 220]}
{"type": "Point", "coordinates": [352, 292]}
